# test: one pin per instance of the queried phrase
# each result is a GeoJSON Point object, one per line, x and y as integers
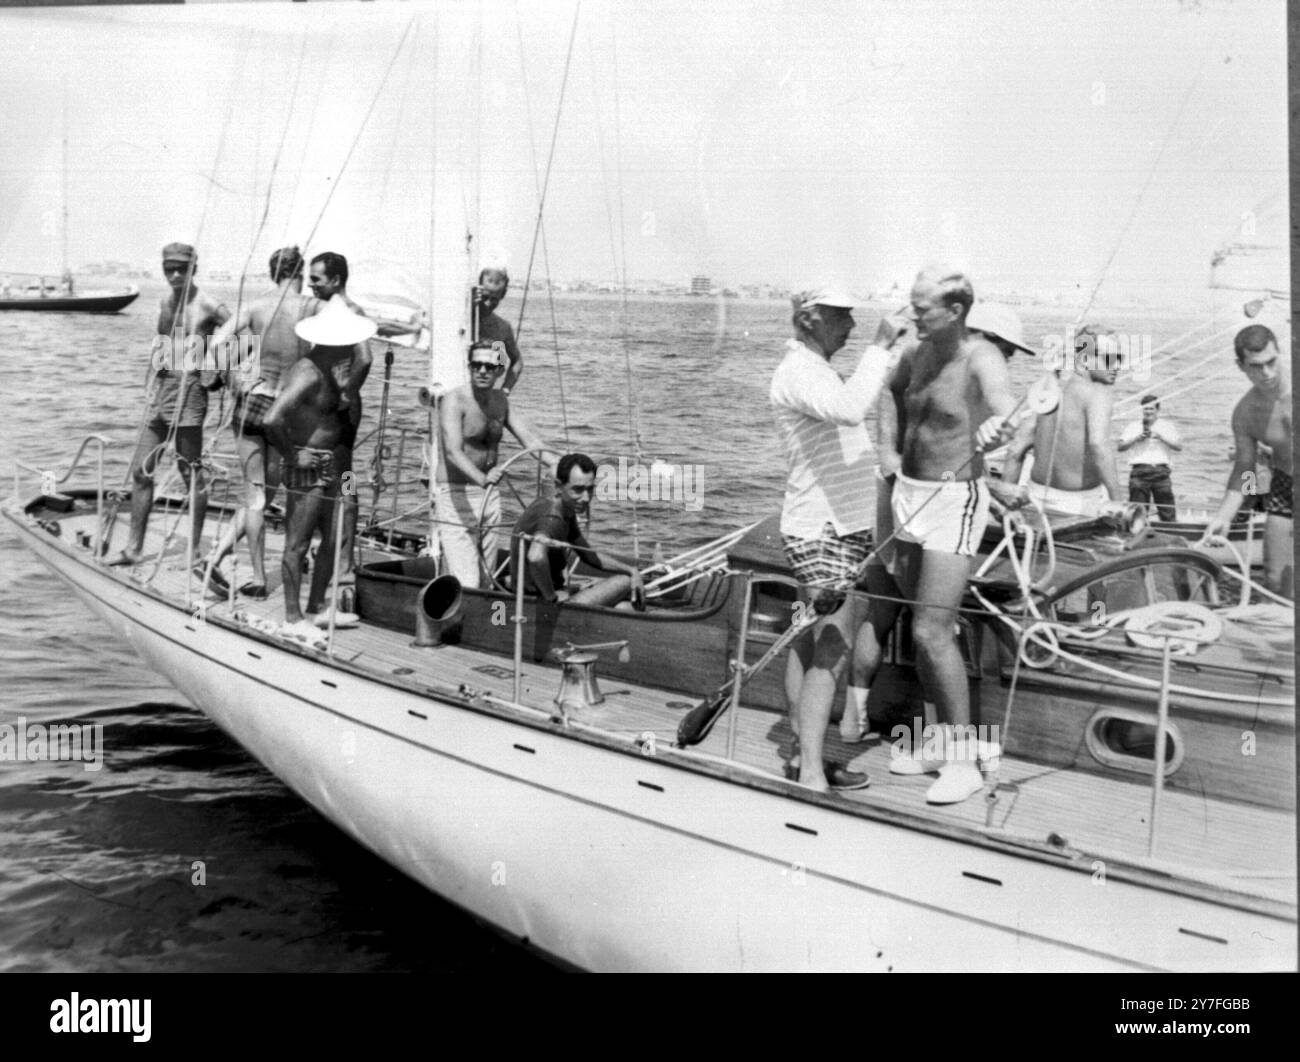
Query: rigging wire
{"type": "Point", "coordinates": [614, 254]}
{"type": "Point", "coordinates": [539, 231]}
{"type": "Point", "coordinates": [1155, 165]}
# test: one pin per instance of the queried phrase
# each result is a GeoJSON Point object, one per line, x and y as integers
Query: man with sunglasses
{"type": "Point", "coordinates": [178, 403]}
{"type": "Point", "coordinates": [474, 417]}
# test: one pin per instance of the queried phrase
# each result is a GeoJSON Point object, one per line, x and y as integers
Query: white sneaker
{"type": "Point", "coordinates": [920, 761]}
{"type": "Point", "coordinates": [303, 631]}
{"type": "Point", "coordinates": [957, 781]}
{"type": "Point", "coordinates": [342, 620]}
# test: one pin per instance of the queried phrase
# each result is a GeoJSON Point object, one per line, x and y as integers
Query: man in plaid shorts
{"type": "Point", "coordinates": [826, 516]}
{"type": "Point", "coordinates": [271, 319]}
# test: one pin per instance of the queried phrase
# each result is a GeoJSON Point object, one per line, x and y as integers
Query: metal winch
{"type": "Point", "coordinates": [578, 686]}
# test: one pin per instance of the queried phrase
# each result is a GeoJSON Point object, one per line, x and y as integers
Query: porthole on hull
{"type": "Point", "coordinates": [1125, 739]}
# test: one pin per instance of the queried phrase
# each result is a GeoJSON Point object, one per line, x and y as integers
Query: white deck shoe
{"type": "Point", "coordinates": [919, 761]}
{"type": "Point", "coordinates": [957, 781]}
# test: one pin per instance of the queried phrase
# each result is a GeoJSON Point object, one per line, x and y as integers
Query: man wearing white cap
{"type": "Point", "coordinates": [308, 424]}
{"type": "Point", "coordinates": [826, 516]}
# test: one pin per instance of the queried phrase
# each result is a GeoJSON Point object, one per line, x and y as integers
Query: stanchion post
{"type": "Point", "coordinates": [739, 665]}
{"type": "Point", "coordinates": [1162, 723]}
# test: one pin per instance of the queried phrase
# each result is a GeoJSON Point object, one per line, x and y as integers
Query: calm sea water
{"type": "Point", "coordinates": [96, 867]}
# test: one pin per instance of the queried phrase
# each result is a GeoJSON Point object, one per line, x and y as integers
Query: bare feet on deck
{"type": "Point", "coordinates": [125, 559]}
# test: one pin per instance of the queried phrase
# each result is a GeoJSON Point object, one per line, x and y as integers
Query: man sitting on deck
{"type": "Point", "coordinates": [552, 529]}
{"type": "Point", "coordinates": [308, 425]}
{"type": "Point", "coordinates": [1074, 471]}
{"type": "Point", "coordinates": [1263, 418]}
{"type": "Point", "coordinates": [825, 518]}
{"type": "Point", "coordinates": [952, 397]}
{"type": "Point", "coordinates": [472, 421]}
{"type": "Point", "coordinates": [179, 398]}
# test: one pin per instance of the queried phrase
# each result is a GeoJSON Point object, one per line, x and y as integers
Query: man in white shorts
{"type": "Point", "coordinates": [951, 396]}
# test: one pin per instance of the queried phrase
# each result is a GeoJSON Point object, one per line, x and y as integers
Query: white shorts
{"type": "Point", "coordinates": [1055, 502]}
{"type": "Point", "coordinates": [456, 509]}
{"type": "Point", "coordinates": [947, 517]}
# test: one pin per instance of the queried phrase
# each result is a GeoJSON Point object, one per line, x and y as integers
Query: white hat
{"type": "Point", "coordinates": [823, 295]}
{"type": "Point", "coordinates": [335, 326]}
{"type": "Point", "coordinates": [1000, 322]}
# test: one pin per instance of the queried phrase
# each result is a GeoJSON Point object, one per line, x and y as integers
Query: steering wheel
{"type": "Point", "coordinates": [536, 453]}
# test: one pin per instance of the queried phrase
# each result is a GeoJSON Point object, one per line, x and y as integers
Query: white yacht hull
{"type": "Point", "coordinates": [613, 861]}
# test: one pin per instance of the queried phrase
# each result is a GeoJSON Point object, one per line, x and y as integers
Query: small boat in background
{"type": "Point", "coordinates": [64, 299]}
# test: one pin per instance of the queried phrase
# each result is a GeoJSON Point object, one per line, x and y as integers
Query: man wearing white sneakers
{"type": "Point", "coordinates": [952, 399]}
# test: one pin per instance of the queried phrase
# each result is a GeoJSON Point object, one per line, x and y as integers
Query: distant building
{"type": "Point", "coordinates": [701, 285]}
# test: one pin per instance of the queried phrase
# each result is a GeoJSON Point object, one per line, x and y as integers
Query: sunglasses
{"type": "Point", "coordinates": [484, 366]}
{"type": "Point", "coordinates": [175, 267]}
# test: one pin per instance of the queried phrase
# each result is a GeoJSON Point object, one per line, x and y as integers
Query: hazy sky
{"type": "Point", "coordinates": [750, 141]}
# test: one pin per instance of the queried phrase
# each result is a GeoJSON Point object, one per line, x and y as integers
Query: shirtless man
{"type": "Point", "coordinates": [1263, 418]}
{"type": "Point", "coordinates": [328, 279]}
{"type": "Point", "coordinates": [271, 318]}
{"type": "Point", "coordinates": [474, 416]}
{"type": "Point", "coordinates": [952, 394]}
{"type": "Point", "coordinates": [179, 401]}
{"type": "Point", "coordinates": [1072, 445]}
{"type": "Point", "coordinates": [491, 328]}
{"type": "Point", "coordinates": [308, 424]}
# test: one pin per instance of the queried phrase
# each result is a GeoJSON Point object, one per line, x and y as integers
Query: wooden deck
{"type": "Point", "coordinates": [1248, 848]}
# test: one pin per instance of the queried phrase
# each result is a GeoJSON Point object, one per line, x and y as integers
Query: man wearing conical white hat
{"type": "Point", "coordinates": [328, 278]}
{"type": "Point", "coordinates": [308, 424]}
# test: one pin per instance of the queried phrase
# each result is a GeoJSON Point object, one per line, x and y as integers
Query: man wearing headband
{"type": "Point", "coordinates": [473, 418]}
{"type": "Point", "coordinates": [951, 394]}
{"type": "Point", "coordinates": [1074, 471]}
{"type": "Point", "coordinates": [271, 318]}
{"type": "Point", "coordinates": [328, 278]}
{"type": "Point", "coordinates": [491, 328]}
{"type": "Point", "coordinates": [179, 400]}
{"type": "Point", "coordinates": [826, 517]}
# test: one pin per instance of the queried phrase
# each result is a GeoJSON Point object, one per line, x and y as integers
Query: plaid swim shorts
{"type": "Point", "coordinates": [1278, 500]}
{"type": "Point", "coordinates": [829, 561]}
{"type": "Point", "coordinates": [250, 412]}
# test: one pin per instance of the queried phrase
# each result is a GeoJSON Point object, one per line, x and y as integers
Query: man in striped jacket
{"type": "Point", "coordinates": [827, 513]}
